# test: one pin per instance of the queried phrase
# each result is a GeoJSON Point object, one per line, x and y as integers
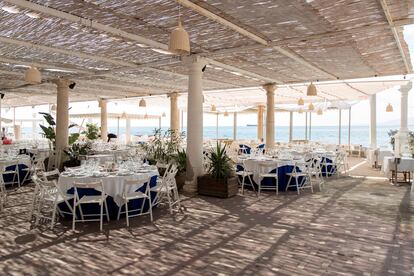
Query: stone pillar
{"type": "Point", "coordinates": [194, 124]}
{"type": "Point", "coordinates": [402, 139]}
{"type": "Point", "coordinates": [260, 110]}
{"type": "Point", "coordinates": [373, 121]}
{"type": "Point", "coordinates": [310, 126]}
{"type": "Point", "coordinates": [235, 126]}
{"type": "Point", "coordinates": [127, 130]}
{"type": "Point", "coordinates": [340, 127]}
{"type": "Point", "coordinates": [270, 114]}
{"type": "Point", "coordinates": [17, 132]}
{"type": "Point", "coordinates": [104, 119]}
{"type": "Point", "coordinates": [174, 113]}
{"type": "Point", "coordinates": [62, 118]}
{"type": "Point", "coordinates": [290, 126]}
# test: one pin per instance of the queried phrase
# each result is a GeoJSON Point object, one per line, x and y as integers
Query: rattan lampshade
{"type": "Point", "coordinates": [179, 41]}
{"type": "Point", "coordinates": [213, 108]}
{"type": "Point", "coordinates": [226, 114]}
{"type": "Point", "coordinates": [319, 112]}
{"type": "Point", "coordinates": [33, 76]}
{"type": "Point", "coordinates": [142, 103]}
{"type": "Point", "coordinates": [311, 90]}
{"type": "Point", "coordinates": [311, 107]}
{"type": "Point", "coordinates": [389, 108]}
{"type": "Point", "coordinates": [301, 101]}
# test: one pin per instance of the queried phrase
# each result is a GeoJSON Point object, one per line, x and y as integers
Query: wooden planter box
{"type": "Point", "coordinates": [180, 179]}
{"type": "Point", "coordinates": [210, 186]}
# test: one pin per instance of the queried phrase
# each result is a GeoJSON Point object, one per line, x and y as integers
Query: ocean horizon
{"type": "Point", "coordinates": [325, 134]}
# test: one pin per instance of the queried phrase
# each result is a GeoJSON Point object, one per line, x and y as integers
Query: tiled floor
{"type": "Point", "coordinates": [355, 226]}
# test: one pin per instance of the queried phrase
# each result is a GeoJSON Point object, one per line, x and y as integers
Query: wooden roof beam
{"type": "Point", "coordinates": [222, 21]}
{"type": "Point", "coordinates": [394, 30]}
{"type": "Point", "coordinates": [87, 23]}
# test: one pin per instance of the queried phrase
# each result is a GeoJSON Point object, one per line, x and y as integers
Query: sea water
{"type": "Point", "coordinates": [326, 134]}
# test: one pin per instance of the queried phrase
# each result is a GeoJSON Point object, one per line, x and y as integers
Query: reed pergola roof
{"type": "Point", "coordinates": [117, 49]}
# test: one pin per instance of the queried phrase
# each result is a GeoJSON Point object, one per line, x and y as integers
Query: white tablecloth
{"type": "Point", "coordinates": [406, 165]}
{"type": "Point", "coordinates": [21, 159]}
{"type": "Point", "coordinates": [377, 155]}
{"type": "Point", "coordinates": [113, 184]}
{"type": "Point", "coordinates": [101, 158]}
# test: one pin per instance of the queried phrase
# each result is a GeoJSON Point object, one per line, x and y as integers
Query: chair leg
{"type": "Point", "coordinates": [119, 212]}
{"type": "Point", "coordinates": [277, 185]}
{"type": "Point", "coordinates": [297, 185]}
{"type": "Point", "coordinates": [74, 217]}
{"type": "Point", "coordinates": [288, 184]}
{"type": "Point", "coordinates": [52, 223]}
{"type": "Point", "coordinates": [126, 212]}
{"type": "Point", "coordinates": [150, 208]}
{"type": "Point", "coordinates": [243, 185]}
{"type": "Point", "coordinates": [169, 202]}
{"type": "Point", "coordinates": [106, 209]}
{"type": "Point", "coordinates": [101, 216]}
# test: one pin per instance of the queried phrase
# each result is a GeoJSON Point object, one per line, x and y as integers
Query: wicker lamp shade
{"type": "Point", "coordinates": [389, 108]}
{"type": "Point", "coordinates": [213, 108]}
{"type": "Point", "coordinates": [301, 101]}
{"type": "Point", "coordinates": [226, 114]}
{"type": "Point", "coordinates": [142, 103]}
{"type": "Point", "coordinates": [311, 90]}
{"type": "Point", "coordinates": [163, 114]}
{"type": "Point", "coordinates": [311, 107]}
{"type": "Point", "coordinates": [179, 41]}
{"type": "Point", "coordinates": [33, 76]}
{"type": "Point", "coordinates": [319, 112]}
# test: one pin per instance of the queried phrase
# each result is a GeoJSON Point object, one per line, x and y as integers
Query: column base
{"type": "Point", "coordinates": [402, 145]}
{"type": "Point", "coordinates": [190, 187]}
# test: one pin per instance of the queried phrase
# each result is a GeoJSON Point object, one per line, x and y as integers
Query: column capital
{"type": "Point", "coordinates": [173, 95]}
{"type": "Point", "coordinates": [62, 82]}
{"type": "Point", "coordinates": [406, 88]}
{"type": "Point", "coordinates": [270, 87]}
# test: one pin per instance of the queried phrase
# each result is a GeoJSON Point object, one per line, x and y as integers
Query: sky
{"type": "Point", "coordinates": [360, 111]}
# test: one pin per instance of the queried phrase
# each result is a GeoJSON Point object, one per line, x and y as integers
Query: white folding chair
{"type": "Point", "coordinates": [37, 164]}
{"type": "Point", "coordinates": [50, 175]}
{"type": "Point", "coordinates": [266, 169]}
{"type": "Point", "coordinates": [89, 199]}
{"type": "Point", "coordinates": [167, 190]}
{"type": "Point", "coordinates": [7, 172]}
{"type": "Point", "coordinates": [341, 163]}
{"type": "Point", "coordinates": [129, 193]}
{"type": "Point", "coordinates": [47, 197]}
{"type": "Point", "coordinates": [247, 172]}
{"type": "Point", "coordinates": [316, 170]}
{"type": "Point", "coordinates": [300, 170]}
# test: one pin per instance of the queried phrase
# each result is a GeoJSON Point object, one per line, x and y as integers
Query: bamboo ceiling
{"type": "Point", "coordinates": [279, 41]}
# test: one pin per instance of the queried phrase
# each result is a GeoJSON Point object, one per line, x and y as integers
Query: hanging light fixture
{"type": "Point", "coordinates": [311, 90]}
{"type": "Point", "coordinates": [142, 103]}
{"type": "Point", "coordinates": [53, 108]}
{"type": "Point", "coordinates": [213, 108]}
{"type": "Point", "coordinates": [179, 39]}
{"type": "Point", "coordinates": [226, 114]}
{"type": "Point", "coordinates": [300, 111]}
{"type": "Point", "coordinates": [301, 101]}
{"type": "Point", "coordinates": [163, 114]}
{"type": "Point", "coordinates": [389, 108]}
{"type": "Point", "coordinates": [311, 107]}
{"type": "Point", "coordinates": [146, 116]}
{"type": "Point", "coordinates": [319, 112]}
{"type": "Point", "coordinates": [33, 75]}
{"type": "Point", "coordinates": [123, 116]}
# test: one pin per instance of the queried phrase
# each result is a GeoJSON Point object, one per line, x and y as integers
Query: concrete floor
{"type": "Point", "coordinates": [356, 225]}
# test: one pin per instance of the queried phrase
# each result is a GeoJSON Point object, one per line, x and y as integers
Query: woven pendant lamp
{"type": "Point", "coordinates": [389, 108]}
{"type": "Point", "coordinates": [311, 90]}
{"type": "Point", "coordinates": [163, 114]}
{"type": "Point", "coordinates": [146, 116]}
{"type": "Point", "coordinates": [213, 108]}
{"type": "Point", "coordinates": [142, 103]}
{"type": "Point", "coordinates": [300, 111]}
{"type": "Point", "coordinates": [53, 108]}
{"type": "Point", "coordinates": [179, 41]}
{"type": "Point", "coordinates": [33, 75]}
{"type": "Point", "coordinates": [319, 112]}
{"type": "Point", "coordinates": [301, 101]}
{"type": "Point", "coordinates": [311, 107]}
{"type": "Point", "coordinates": [226, 114]}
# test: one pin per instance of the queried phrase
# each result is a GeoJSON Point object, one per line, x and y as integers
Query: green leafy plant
{"type": "Point", "coordinates": [76, 149]}
{"type": "Point", "coordinates": [91, 132]}
{"type": "Point", "coordinates": [181, 160]}
{"type": "Point", "coordinates": [163, 147]}
{"type": "Point", "coordinates": [393, 132]}
{"type": "Point", "coordinates": [49, 131]}
{"type": "Point", "coordinates": [221, 165]}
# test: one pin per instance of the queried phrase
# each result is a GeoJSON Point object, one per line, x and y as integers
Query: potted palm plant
{"type": "Point", "coordinates": [181, 161]}
{"type": "Point", "coordinates": [220, 180]}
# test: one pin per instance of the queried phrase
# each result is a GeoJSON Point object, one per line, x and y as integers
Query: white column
{"type": "Point", "coordinates": [17, 132]}
{"type": "Point", "coordinates": [270, 115]}
{"type": "Point", "coordinates": [402, 146]}
{"type": "Point", "coordinates": [373, 121]}
{"type": "Point", "coordinates": [349, 128]}
{"type": "Point", "coordinates": [290, 126]}
{"type": "Point", "coordinates": [234, 126]}
{"type": "Point", "coordinates": [306, 125]}
{"type": "Point", "coordinates": [117, 127]}
{"type": "Point", "coordinates": [104, 119]}
{"type": "Point", "coordinates": [340, 127]}
{"type": "Point", "coordinates": [260, 110]}
{"type": "Point", "coordinates": [182, 120]}
{"type": "Point", "coordinates": [62, 118]}
{"type": "Point", "coordinates": [34, 129]}
{"type": "Point", "coordinates": [217, 125]}
{"type": "Point", "coordinates": [127, 130]}
{"type": "Point", "coordinates": [194, 124]}
{"type": "Point", "coordinates": [310, 126]}
{"type": "Point", "coordinates": [159, 122]}
{"type": "Point", "coordinates": [174, 113]}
